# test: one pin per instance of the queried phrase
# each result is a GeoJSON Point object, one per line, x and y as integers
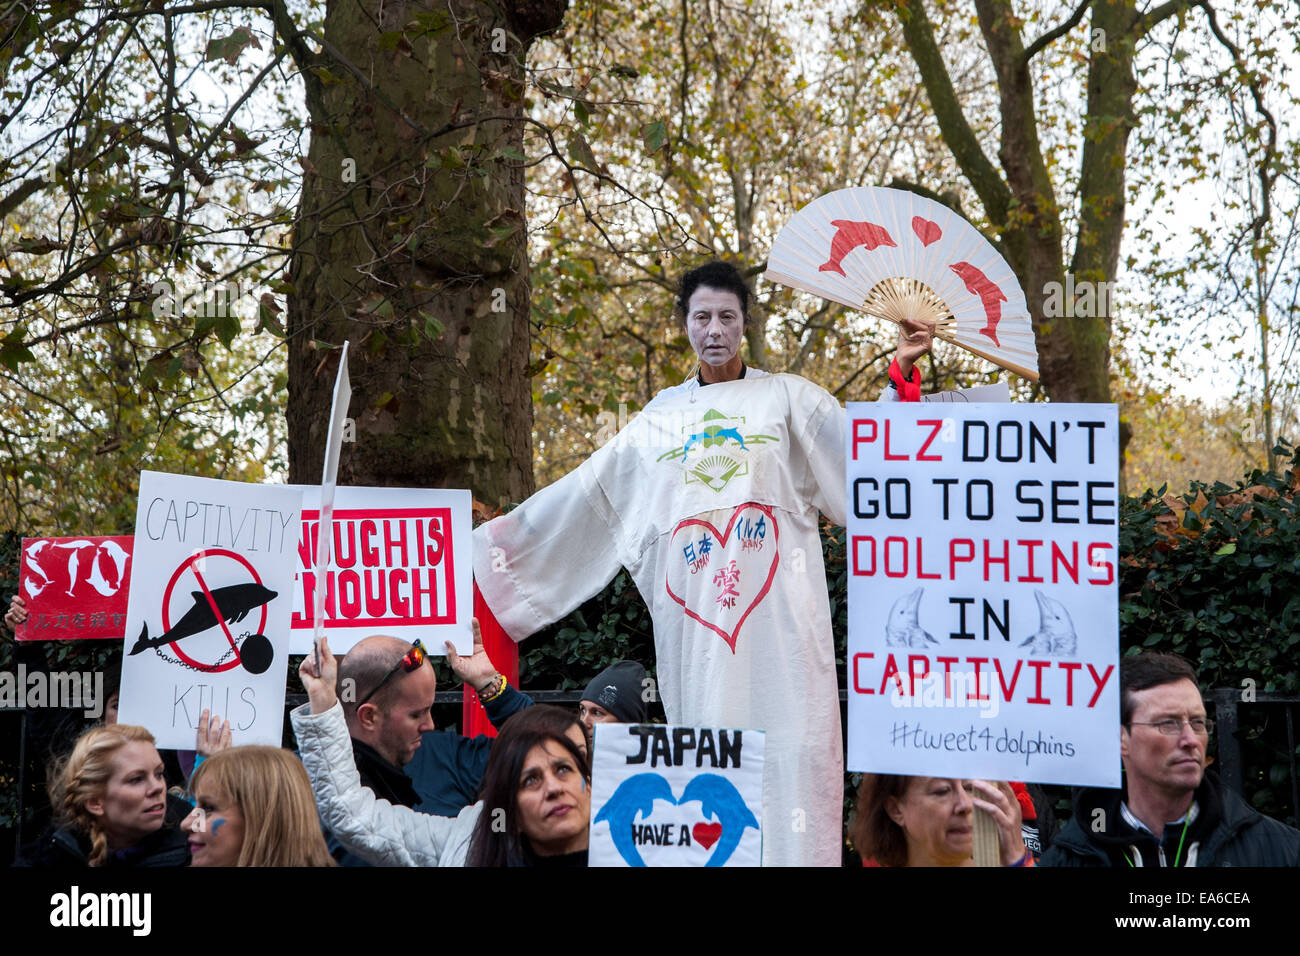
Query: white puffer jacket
{"type": "Point", "coordinates": [373, 829]}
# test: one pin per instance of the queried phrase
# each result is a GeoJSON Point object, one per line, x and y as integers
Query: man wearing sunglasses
{"type": "Point", "coordinates": [387, 687]}
{"type": "Point", "coordinates": [1171, 812]}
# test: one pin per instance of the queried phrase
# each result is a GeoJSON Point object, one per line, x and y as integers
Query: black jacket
{"type": "Point", "coordinates": [1227, 831]}
{"type": "Point", "coordinates": [68, 848]}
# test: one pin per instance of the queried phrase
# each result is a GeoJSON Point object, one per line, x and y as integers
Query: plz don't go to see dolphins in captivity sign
{"type": "Point", "coordinates": [983, 592]}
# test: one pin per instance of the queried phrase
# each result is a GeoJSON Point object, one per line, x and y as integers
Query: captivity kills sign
{"type": "Point", "coordinates": [983, 594]}
{"type": "Point", "coordinates": [208, 621]}
{"type": "Point", "coordinates": [676, 796]}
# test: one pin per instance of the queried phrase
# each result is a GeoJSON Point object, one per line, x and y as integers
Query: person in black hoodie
{"type": "Point", "coordinates": [110, 799]}
{"type": "Point", "coordinates": [1170, 812]}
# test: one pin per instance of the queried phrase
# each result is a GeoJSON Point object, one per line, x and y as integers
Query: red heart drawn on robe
{"type": "Point", "coordinates": [926, 230]}
{"type": "Point", "coordinates": [751, 547]}
{"type": "Point", "coordinates": [706, 834]}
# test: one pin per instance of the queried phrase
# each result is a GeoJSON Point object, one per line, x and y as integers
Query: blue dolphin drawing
{"type": "Point", "coordinates": [720, 799]}
{"type": "Point", "coordinates": [634, 795]}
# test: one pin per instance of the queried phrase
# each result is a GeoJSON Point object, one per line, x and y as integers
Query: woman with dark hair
{"type": "Point", "coordinates": [539, 776]}
{"type": "Point", "coordinates": [110, 798]}
{"type": "Point", "coordinates": [537, 794]}
{"type": "Point", "coordinates": [929, 821]}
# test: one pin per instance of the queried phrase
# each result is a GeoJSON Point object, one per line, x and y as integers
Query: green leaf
{"type": "Point", "coordinates": [227, 327]}
{"type": "Point", "coordinates": [654, 136]}
{"type": "Point", "coordinates": [580, 152]}
{"type": "Point", "coordinates": [229, 48]}
{"type": "Point", "coordinates": [432, 327]}
{"type": "Point", "coordinates": [1229, 548]}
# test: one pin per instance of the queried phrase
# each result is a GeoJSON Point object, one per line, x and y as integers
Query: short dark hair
{"type": "Point", "coordinates": [490, 844]}
{"type": "Point", "coordinates": [716, 275]}
{"type": "Point", "coordinates": [874, 834]}
{"type": "Point", "coordinates": [1147, 670]}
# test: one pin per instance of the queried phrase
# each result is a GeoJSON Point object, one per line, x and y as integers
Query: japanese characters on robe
{"type": "Point", "coordinates": [709, 498]}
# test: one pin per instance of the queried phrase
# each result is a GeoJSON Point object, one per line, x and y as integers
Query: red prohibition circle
{"type": "Point", "coordinates": [167, 599]}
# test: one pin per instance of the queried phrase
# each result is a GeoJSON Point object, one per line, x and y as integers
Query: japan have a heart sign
{"type": "Point", "coordinates": [676, 796]}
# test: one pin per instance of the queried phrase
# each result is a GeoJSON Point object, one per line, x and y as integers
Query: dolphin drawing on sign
{"type": "Point", "coordinates": [635, 795]}
{"type": "Point", "coordinates": [1055, 634]}
{"type": "Point", "coordinates": [74, 560]}
{"type": "Point", "coordinates": [903, 626]}
{"type": "Point", "coordinates": [233, 602]}
{"type": "Point", "coordinates": [117, 554]}
{"type": "Point", "coordinates": [720, 799]}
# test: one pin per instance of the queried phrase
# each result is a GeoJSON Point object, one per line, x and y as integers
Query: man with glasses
{"type": "Point", "coordinates": [1170, 812]}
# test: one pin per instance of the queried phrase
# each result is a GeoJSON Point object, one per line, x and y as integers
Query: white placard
{"type": "Point", "coordinates": [401, 564]}
{"type": "Point", "coordinates": [983, 593]}
{"type": "Point", "coordinates": [207, 624]}
{"type": "Point", "coordinates": [329, 479]}
{"type": "Point", "coordinates": [676, 796]}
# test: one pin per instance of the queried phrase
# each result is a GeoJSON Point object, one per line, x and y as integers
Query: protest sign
{"type": "Point", "coordinates": [208, 619]}
{"type": "Point", "coordinates": [74, 587]}
{"type": "Point", "coordinates": [983, 593]}
{"type": "Point", "coordinates": [328, 482]}
{"type": "Point", "coordinates": [676, 796]}
{"type": "Point", "coordinates": [400, 564]}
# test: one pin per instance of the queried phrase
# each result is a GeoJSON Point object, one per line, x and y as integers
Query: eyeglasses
{"type": "Point", "coordinates": [1173, 726]}
{"type": "Point", "coordinates": [410, 661]}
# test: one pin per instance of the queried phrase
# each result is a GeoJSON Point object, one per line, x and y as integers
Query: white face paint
{"type": "Point", "coordinates": [716, 326]}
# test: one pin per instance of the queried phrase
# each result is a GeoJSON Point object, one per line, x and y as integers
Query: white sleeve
{"type": "Point", "coordinates": [375, 830]}
{"type": "Point", "coordinates": [822, 440]}
{"type": "Point", "coordinates": [555, 551]}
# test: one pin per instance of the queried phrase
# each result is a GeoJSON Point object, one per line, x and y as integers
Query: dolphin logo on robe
{"type": "Point", "coordinates": [991, 297]}
{"type": "Point", "coordinates": [233, 602]}
{"type": "Point", "coordinates": [848, 236]}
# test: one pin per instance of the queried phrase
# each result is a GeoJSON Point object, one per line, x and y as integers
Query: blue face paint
{"type": "Point", "coordinates": [584, 785]}
{"type": "Point", "coordinates": [216, 824]}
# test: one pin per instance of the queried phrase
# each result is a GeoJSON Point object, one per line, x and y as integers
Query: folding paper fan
{"type": "Point", "coordinates": [894, 254]}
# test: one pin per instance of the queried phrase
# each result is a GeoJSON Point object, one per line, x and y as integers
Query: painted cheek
{"type": "Point", "coordinates": [217, 824]}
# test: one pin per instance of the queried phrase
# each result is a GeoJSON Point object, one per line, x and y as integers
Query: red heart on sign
{"type": "Point", "coordinates": [722, 542]}
{"type": "Point", "coordinates": [706, 834]}
{"type": "Point", "coordinates": [926, 230]}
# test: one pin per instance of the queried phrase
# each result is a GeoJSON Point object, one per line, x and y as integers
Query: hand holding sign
{"type": "Point", "coordinates": [999, 801]}
{"type": "Point", "coordinates": [16, 614]}
{"type": "Point", "coordinates": [477, 670]}
{"type": "Point", "coordinates": [319, 682]}
{"type": "Point", "coordinates": [213, 735]}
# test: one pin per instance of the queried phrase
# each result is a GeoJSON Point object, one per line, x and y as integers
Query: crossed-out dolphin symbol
{"type": "Point", "coordinates": [718, 798]}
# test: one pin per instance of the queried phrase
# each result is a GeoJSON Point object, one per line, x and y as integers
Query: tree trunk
{"type": "Point", "coordinates": [411, 243]}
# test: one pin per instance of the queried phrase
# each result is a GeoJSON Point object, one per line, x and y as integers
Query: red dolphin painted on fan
{"type": "Point", "coordinates": [977, 283]}
{"type": "Point", "coordinates": [849, 235]}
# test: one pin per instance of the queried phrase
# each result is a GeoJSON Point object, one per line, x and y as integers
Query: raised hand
{"type": "Point", "coordinates": [915, 336]}
{"type": "Point", "coordinates": [477, 670]}
{"type": "Point", "coordinates": [213, 735]}
{"type": "Point", "coordinates": [320, 687]}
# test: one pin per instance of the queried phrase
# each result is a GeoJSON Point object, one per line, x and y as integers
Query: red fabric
{"type": "Point", "coordinates": [908, 391]}
{"type": "Point", "coordinates": [1027, 810]}
{"type": "Point", "coordinates": [505, 655]}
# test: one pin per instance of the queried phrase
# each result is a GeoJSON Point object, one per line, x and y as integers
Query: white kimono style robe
{"type": "Point", "coordinates": [709, 498]}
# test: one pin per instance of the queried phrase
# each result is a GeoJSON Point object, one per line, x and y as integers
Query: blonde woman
{"type": "Point", "coordinates": [110, 801]}
{"type": "Point", "coordinates": [253, 807]}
